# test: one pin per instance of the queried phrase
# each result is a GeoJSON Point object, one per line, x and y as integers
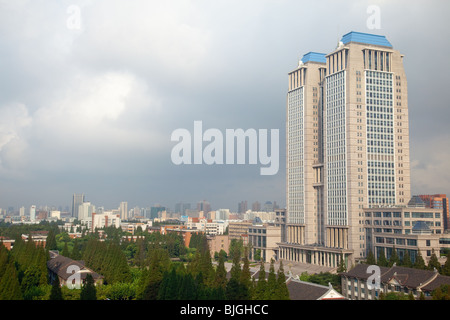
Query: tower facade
{"type": "Point", "coordinates": [77, 200]}
{"type": "Point", "coordinates": [123, 209]}
{"type": "Point", "coordinates": [347, 147]}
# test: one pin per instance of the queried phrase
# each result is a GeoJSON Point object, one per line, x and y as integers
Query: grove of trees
{"type": "Point", "coordinates": [154, 267]}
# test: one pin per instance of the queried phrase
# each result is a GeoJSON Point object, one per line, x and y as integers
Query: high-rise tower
{"type": "Point", "coordinates": [347, 147]}
{"type": "Point", "coordinates": [77, 200]}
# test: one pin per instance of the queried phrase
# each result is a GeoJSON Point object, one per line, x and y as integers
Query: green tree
{"type": "Point", "coordinates": [30, 281]}
{"type": "Point", "coordinates": [261, 284]}
{"type": "Point", "coordinates": [257, 256]}
{"type": "Point", "coordinates": [76, 253]}
{"type": "Point", "coordinates": [221, 272]}
{"type": "Point", "coordinates": [271, 282]}
{"type": "Point", "coordinates": [281, 292]}
{"type": "Point", "coordinates": [188, 288]}
{"type": "Point", "coordinates": [151, 279]}
{"type": "Point", "coordinates": [393, 259]}
{"type": "Point", "coordinates": [445, 270]}
{"type": "Point", "coordinates": [396, 296]}
{"type": "Point", "coordinates": [235, 289]}
{"type": "Point", "coordinates": [245, 277]}
{"type": "Point", "coordinates": [65, 252]}
{"type": "Point", "coordinates": [56, 293]}
{"type": "Point", "coordinates": [4, 258]}
{"type": "Point", "coordinates": [341, 266]}
{"type": "Point", "coordinates": [88, 291]}
{"type": "Point", "coordinates": [382, 261]}
{"type": "Point", "coordinates": [9, 284]}
{"type": "Point", "coordinates": [441, 293]}
{"type": "Point", "coordinates": [50, 243]}
{"type": "Point", "coordinates": [371, 258]}
{"type": "Point", "coordinates": [419, 263]}
{"type": "Point", "coordinates": [406, 261]}
{"type": "Point", "coordinates": [434, 262]}
{"type": "Point", "coordinates": [141, 250]}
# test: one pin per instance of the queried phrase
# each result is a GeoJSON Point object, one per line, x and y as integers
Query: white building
{"type": "Point", "coordinates": [33, 213]}
{"type": "Point", "coordinates": [222, 214]}
{"type": "Point", "coordinates": [263, 215]}
{"type": "Point", "coordinates": [85, 210]}
{"type": "Point", "coordinates": [123, 209]}
{"type": "Point", "coordinates": [106, 219]}
{"type": "Point", "coordinates": [55, 214]}
{"type": "Point", "coordinates": [216, 227]}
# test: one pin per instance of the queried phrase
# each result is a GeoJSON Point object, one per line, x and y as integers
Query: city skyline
{"type": "Point", "coordinates": [86, 108]}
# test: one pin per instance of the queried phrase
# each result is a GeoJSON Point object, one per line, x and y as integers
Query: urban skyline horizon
{"type": "Point", "coordinates": [171, 207]}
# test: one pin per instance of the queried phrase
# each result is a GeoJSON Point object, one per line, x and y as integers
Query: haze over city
{"type": "Point", "coordinates": [91, 92]}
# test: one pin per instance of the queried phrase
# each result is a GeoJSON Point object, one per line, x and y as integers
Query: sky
{"type": "Point", "coordinates": [91, 92]}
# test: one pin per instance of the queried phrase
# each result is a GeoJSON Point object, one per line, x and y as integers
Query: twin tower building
{"type": "Point", "coordinates": [347, 146]}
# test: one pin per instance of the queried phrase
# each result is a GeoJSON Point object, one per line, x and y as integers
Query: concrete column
{"type": "Point", "coordinates": [336, 237]}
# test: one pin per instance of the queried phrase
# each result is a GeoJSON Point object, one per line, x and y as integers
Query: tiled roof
{"type": "Point", "coordinates": [436, 283]}
{"type": "Point", "coordinates": [60, 264]}
{"type": "Point", "coordinates": [301, 290]}
{"type": "Point", "coordinates": [407, 277]}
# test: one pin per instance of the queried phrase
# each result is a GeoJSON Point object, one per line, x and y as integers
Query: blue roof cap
{"type": "Point", "coordinates": [314, 57]}
{"type": "Point", "coordinates": [365, 38]}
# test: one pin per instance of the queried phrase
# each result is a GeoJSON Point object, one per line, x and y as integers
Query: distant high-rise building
{"type": "Point", "coordinates": [242, 207]}
{"type": "Point", "coordinates": [438, 201]}
{"type": "Point", "coordinates": [77, 200]}
{"type": "Point", "coordinates": [204, 206]}
{"type": "Point", "coordinates": [268, 206]}
{"type": "Point", "coordinates": [156, 211]}
{"type": "Point", "coordinates": [33, 213]}
{"type": "Point", "coordinates": [85, 210]}
{"type": "Point", "coordinates": [182, 207]}
{"type": "Point", "coordinates": [22, 211]}
{"type": "Point", "coordinates": [123, 209]}
{"type": "Point", "coordinates": [136, 211]}
{"type": "Point", "coordinates": [256, 206]}
{"type": "Point", "coordinates": [347, 146]}
{"type": "Point", "coordinates": [222, 214]}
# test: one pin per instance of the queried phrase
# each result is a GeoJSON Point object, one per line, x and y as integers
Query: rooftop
{"type": "Point", "coordinates": [426, 280]}
{"type": "Point", "coordinates": [366, 38]}
{"type": "Point", "coordinates": [314, 57]}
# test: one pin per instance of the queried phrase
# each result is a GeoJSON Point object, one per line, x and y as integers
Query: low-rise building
{"type": "Point", "coordinates": [264, 239]}
{"type": "Point", "coordinates": [102, 220]}
{"type": "Point", "coordinates": [366, 282]}
{"type": "Point", "coordinates": [411, 229]}
{"type": "Point", "coordinates": [217, 243]}
{"type": "Point", "coordinates": [238, 230]}
{"type": "Point", "coordinates": [71, 273]}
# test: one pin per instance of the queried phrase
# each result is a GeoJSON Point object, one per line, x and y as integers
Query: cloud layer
{"type": "Point", "coordinates": [92, 90]}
